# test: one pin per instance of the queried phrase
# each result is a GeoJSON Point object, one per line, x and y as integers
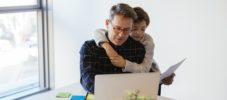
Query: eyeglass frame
{"type": "Point", "coordinates": [119, 29]}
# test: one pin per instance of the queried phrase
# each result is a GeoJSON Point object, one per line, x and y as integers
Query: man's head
{"type": "Point", "coordinates": [119, 25]}
{"type": "Point", "coordinates": [140, 23]}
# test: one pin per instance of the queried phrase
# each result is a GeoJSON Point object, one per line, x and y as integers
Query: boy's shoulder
{"type": "Point", "coordinates": [147, 37]}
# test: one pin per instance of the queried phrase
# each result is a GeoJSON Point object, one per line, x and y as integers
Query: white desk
{"type": "Point", "coordinates": [75, 89]}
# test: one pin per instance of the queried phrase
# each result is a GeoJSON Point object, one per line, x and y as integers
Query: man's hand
{"type": "Point", "coordinates": [109, 50]}
{"type": "Point", "coordinates": [168, 80]}
{"type": "Point", "coordinates": [118, 61]}
{"type": "Point", "coordinates": [115, 59]}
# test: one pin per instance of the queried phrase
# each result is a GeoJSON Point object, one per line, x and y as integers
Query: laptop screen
{"type": "Point", "coordinates": [117, 86]}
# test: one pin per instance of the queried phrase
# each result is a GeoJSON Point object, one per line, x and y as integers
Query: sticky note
{"type": "Point", "coordinates": [76, 97]}
{"type": "Point", "coordinates": [90, 97]}
{"type": "Point", "coordinates": [63, 95]}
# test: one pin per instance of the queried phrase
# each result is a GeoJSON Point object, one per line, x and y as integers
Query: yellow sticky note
{"type": "Point", "coordinates": [90, 97]}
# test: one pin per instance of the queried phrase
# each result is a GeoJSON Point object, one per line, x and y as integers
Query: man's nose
{"type": "Point", "coordinates": [122, 34]}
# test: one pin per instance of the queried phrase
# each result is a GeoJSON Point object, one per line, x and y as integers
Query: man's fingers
{"type": "Point", "coordinates": [114, 57]}
{"type": "Point", "coordinates": [173, 74]}
{"type": "Point", "coordinates": [114, 61]}
{"type": "Point", "coordinates": [168, 81]}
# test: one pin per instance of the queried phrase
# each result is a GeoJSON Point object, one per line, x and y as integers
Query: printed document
{"type": "Point", "coordinates": [171, 69]}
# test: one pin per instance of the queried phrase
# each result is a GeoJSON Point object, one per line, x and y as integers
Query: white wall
{"type": "Point", "coordinates": [72, 26]}
{"type": "Point", "coordinates": [195, 29]}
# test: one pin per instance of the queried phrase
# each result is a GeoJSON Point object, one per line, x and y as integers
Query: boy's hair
{"type": "Point", "coordinates": [122, 9]}
{"type": "Point", "coordinates": [141, 15]}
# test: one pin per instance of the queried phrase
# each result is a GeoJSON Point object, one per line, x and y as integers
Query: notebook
{"type": "Point", "coordinates": [118, 86]}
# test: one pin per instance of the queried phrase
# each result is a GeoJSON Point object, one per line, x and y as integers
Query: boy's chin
{"type": "Point", "coordinates": [136, 38]}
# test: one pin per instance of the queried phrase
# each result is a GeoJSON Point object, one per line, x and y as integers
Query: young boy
{"type": "Point", "coordinates": [138, 33]}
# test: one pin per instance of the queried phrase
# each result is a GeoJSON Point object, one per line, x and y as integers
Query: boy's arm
{"type": "Point", "coordinates": [146, 65]}
{"type": "Point", "coordinates": [101, 40]}
{"type": "Point", "coordinates": [99, 36]}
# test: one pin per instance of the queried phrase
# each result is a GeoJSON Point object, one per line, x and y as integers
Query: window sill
{"type": "Point", "coordinates": [24, 93]}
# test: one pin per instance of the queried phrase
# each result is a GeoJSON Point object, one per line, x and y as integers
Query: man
{"type": "Point", "coordinates": [94, 60]}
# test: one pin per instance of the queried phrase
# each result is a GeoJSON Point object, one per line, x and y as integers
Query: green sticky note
{"type": "Point", "coordinates": [63, 95]}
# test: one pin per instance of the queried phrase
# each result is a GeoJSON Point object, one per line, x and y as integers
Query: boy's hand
{"type": "Point", "coordinates": [118, 61]}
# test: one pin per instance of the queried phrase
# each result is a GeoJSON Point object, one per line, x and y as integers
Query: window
{"type": "Point", "coordinates": [23, 52]}
{"type": "Point", "coordinates": [10, 3]}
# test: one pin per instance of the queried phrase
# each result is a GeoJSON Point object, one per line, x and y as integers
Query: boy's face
{"type": "Point", "coordinates": [138, 29]}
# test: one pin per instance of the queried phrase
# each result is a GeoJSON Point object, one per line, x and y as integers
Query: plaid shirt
{"type": "Point", "coordinates": [94, 60]}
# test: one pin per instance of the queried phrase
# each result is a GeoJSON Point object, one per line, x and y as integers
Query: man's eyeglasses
{"type": "Point", "coordinates": [119, 29]}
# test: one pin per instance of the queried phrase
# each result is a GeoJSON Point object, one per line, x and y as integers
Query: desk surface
{"type": "Point", "coordinates": [74, 89]}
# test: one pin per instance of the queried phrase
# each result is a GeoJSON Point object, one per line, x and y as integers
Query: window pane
{"type": "Point", "coordinates": [6, 3]}
{"type": "Point", "coordinates": [18, 52]}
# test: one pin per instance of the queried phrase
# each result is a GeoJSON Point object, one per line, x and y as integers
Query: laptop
{"type": "Point", "coordinates": [116, 86]}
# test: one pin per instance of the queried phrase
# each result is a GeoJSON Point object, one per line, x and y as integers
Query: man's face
{"type": "Point", "coordinates": [118, 29]}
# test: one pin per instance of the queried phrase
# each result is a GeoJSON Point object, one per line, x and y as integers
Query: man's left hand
{"type": "Point", "coordinates": [168, 80]}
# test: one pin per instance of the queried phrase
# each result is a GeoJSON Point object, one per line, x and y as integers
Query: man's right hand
{"type": "Point", "coordinates": [115, 59]}
{"type": "Point", "coordinates": [118, 61]}
{"type": "Point", "coordinates": [109, 50]}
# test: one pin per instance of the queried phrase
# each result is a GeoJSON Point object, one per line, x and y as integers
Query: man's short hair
{"type": "Point", "coordinates": [141, 15]}
{"type": "Point", "coordinates": [122, 9]}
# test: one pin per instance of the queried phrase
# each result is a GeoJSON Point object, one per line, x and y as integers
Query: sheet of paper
{"type": "Point", "coordinates": [171, 69]}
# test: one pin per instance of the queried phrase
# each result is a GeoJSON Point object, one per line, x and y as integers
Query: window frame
{"type": "Point", "coordinates": [44, 28]}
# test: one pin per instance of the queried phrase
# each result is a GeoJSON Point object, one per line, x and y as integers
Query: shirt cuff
{"type": "Point", "coordinates": [128, 67]}
{"type": "Point", "coordinates": [100, 41]}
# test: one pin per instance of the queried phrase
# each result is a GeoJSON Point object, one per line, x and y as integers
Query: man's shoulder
{"type": "Point", "coordinates": [89, 43]}
{"type": "Point", "coordinates": [89, 46]}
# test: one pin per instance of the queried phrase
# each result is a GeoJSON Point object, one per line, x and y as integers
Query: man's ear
{"type": "Point", "coordinates": [107, 23]}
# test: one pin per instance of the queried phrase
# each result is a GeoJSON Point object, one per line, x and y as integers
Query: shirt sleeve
{"type": "Point", "coordinates": [146, 65]}
{"type": "Point", "coordinates": [155, 66]}
{"type": "Point", "coordinates": [87, 62]}
{"type": "Point", "coordinates": [99, 36]}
